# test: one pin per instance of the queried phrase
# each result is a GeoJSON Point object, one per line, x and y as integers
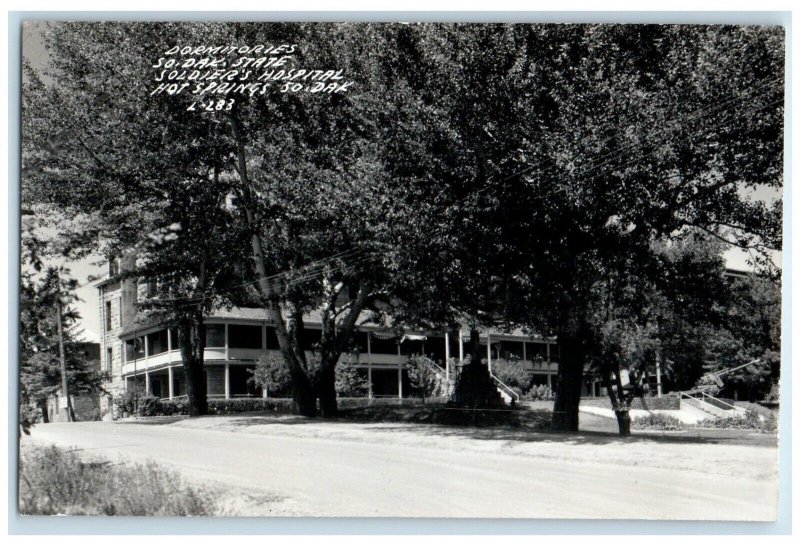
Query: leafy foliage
{"type": "Point", "coordinates": [750, 420]}
{"type": "Point", "coordinates": [656, 421]}
{"type": "Point", "coordinates": [271, 374]}
{"type": "Point", "coordinates": [349, 382]}
{"type": "Point", "coordinates": [512, 373]}
{"type": "Point", "coordinates": [530, 181]}
{"type": "Point", "coordinates": [40, 368]}
{"type": "Point", "coordinates": [425, 376]}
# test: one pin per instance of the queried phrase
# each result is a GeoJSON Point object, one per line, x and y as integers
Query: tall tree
{"type": "Point", "coordinates": [51, 354]}
{"type": "Point", "coordinates": [131, 174]}
{"type": "Point", "coordinates": [633, 133]}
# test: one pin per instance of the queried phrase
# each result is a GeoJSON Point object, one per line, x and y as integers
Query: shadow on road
{"type": "Point", "coordinates": [520, 425]}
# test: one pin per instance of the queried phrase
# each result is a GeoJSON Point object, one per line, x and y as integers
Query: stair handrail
{"type": "Point", "coordinates": [441, 373]}
{"type": "Point", "coordinates": [682, 394]}
{"type": "Point", "coordinates": [505, 387]}
{"type": "Point", "coordinates": [706, 395]}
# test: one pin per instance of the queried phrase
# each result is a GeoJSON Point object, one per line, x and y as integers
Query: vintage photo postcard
{"type": "Point", "coordinates": [434, 270]}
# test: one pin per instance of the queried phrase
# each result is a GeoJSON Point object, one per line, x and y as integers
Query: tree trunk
{"type": "Point", "coordinates": [294, 354]}
{"type": "Point", "coordinates": [191, 338]}
{"type": "Point", "coordinates": [573, 343]}
{"type": "Point", "coordinates": [623, 421]}
{"type": "Point", "coordinates": [618, 402]}
{"type": "Point", "coordinates": [304, 402]}
{"type": "Point", "coordinates": [328, 406]}
{"type": "Point", "coordinates": [335, 340]}
{"type": "Point", "coordinates": [303, 398]}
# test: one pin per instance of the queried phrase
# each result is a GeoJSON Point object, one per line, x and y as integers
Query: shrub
{"type": "Point", "coordinates": [271, 374]}
{"type": "Point", "coordinates": [512, 373]}
{"type": "Point", "coordinates": [539, 392]}
{"type": "Point", "coordinates": [424, 376]}
{"type": "Point", "coordinates": [241, 405]}
{"type": "Point", "coordinates": [656, 421]}
{"type": "Point", "coordinates": [54, 481]}
{"type": "Point", "coordinates": [349, 382]}
{"type": "Point", "coordinates": [774, 393]}
{"type": "Point", "coordinates": [133, 403]}
{"type": "Point", "coordinates": [749, 421]}
{"type": "Point", "coordinates": [652, 402]}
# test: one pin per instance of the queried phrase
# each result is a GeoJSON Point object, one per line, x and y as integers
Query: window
{"type": "Point", "coordinates": [434, 348]}
{"type": "Point", "coordinates": [215, 335]}
{"type": "Point", "coordinates": [134, 349]}
{"type": "Point", "coordinates": [310, 339]}
{"type": "Point", "coordinates": [385, 382]}
{"type": "Point", "coordinates": [411, 347]}
{"type": "Point", "coordinates": [108, 315]}
{"type": "Point", "coordinates": [380, 346]}
{"type": "Point", "coordinates": [359, 342]}
{"type": "Point", "coordinates": [113, 266]}
{"type": "Point", "coordinates": [242, 336]}
{"type": "Point", "coordinates": [155, 388]}
{"type": "Point", "coordinates": [508, 350]}
{"type": "Point", "coordinates": [555, 353]}
{"type": "Point", "coordinates": [272, 338]}
{"type": "Point", "coordinates": [536, 351]}
{"type": "Point", "coordinates": [109, 358]}
{"type": "Point", "coordinates": [151, 289]}
{"type": "Point", "coordinates": [157, 343]}
{"type": "Point", "coordinates": [240, 384]}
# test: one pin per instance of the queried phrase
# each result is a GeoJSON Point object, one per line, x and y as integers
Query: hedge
{"type": "Point", "coordinates": [749, 421]}
{"type": "Point", "coordinates": [150, 406]}
{"type": "Point", "coordinates": [653, 403]}
{"type": "Point", "coordinates": [656, 421]}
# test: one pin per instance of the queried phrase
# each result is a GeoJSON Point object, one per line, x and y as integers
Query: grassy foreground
{"type": "Point", "coordinates": [55, 481]}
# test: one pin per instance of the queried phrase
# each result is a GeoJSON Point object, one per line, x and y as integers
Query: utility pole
{"type": "Point", "coordinates": [61, 356]}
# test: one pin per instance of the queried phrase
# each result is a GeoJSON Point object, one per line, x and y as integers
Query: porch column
{"type": "Point", "coordinates": [460, 346]}
{"type": "Point", "coordinates": [146, 383]}
{"type": "Point", "coordinates": [227, 378]}
{"type": "Point", "coordinates": [227, 357]}
{"type": "Point", "coordinates": [489, 350]}
{"type": "Point", "coordinates": [369, 365]}
{"type": "Point", "coordinates": [399, 373]}
{"type": "Point", "coordinates": [447, 356]}
{"type": "Point", "coordinates": [549, 380]}
{"type": "Point", "coordinates": [171, 386]}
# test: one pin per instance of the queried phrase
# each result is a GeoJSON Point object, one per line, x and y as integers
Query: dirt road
{"type": "Point", "coordinates": [275, 467]}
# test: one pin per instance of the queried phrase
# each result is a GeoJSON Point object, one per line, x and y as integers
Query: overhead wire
{"type": "Point", "coordinates": [316, 269]}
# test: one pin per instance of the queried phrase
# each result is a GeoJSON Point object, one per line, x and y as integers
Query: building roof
{"type": "Point", "coordinates": [144, 322]}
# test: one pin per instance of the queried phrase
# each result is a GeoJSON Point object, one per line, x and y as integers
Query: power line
{"type": "Point", "coordinates": [689, 117]}
{"type": "Point", "coordinates": [314, 270]}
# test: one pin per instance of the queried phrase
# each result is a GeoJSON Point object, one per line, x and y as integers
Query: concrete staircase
{"type": "Point", "coordinates": [692, 410]}
{"type": "Point", "coordinates": [710, 407]}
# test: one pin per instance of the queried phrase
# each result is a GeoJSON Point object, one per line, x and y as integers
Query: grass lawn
{"type": "Point", "coordinates": [55, 481]}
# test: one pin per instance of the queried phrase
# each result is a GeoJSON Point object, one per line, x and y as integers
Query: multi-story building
{"type": "Point", "coordinates": [146, 357]}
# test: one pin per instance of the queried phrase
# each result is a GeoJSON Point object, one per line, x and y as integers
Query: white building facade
{"type": "Point", "coordinates": [146, 358]}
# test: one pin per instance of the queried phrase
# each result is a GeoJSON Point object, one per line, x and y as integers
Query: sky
{"type": "Point", "coordinates": [84, 270]}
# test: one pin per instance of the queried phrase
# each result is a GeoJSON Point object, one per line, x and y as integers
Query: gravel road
{"type": "Point", "coordinates": [264, 466]}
